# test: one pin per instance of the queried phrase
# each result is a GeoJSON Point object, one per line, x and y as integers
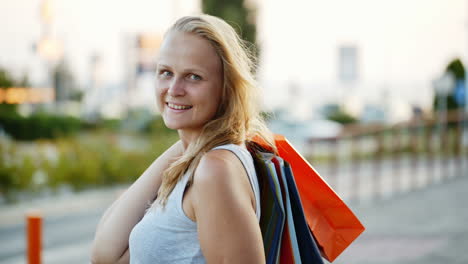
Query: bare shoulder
{"type": "Point", "coordinates": [220, 172]}
{"type": "Point", "coordinates": [219, 166]}
{"type": "Point", "coordinates": [223, 203]}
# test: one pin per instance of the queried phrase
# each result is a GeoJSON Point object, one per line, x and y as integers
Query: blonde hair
{"type": "Point", "coordinates": [238, 118]}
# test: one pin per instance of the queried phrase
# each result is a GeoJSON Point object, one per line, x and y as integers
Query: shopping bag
{"type": "Point", "coordinates": [278, 191]}
{"type": "Point", "coordinates": [289, 252]}
{"type": "Point", "coordinates": [272, 208]}
{"type": "Point", "coordinates": [308, 249]}
{"type": "Point", "coordinates": [333, 224]}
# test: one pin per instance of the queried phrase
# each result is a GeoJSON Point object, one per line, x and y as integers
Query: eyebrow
{"type": "Point", "coordinates": [162, 65]}
{"type": "Point", "coordinates": [185, 70]}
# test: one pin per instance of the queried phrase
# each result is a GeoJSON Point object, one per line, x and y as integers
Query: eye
{"type": "Point", "coordinates": [165, 73]}
{"type": "Point", "coordinates": [195, 77]}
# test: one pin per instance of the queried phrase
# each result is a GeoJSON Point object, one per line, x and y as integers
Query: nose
{"type": "Point", "coordinates": [176, 88]}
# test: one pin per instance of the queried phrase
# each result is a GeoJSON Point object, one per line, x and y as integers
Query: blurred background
{"type": "Point", "coordinates": [371, 92]}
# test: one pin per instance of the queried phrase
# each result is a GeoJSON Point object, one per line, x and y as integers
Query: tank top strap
{"type": "Point", "coordinates": [246, 159]}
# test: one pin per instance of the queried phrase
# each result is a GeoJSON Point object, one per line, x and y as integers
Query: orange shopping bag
{"type": "Point", "coordinates": [333, 224]}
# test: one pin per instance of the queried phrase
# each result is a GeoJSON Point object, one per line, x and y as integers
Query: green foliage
{"type": "Point", "coordinates": [7, 176]}
{"type": "Point", "coordinates": [341, 117]}
{"type": "Point", "coordinates": [99, 155]}
{"type": "Point", "coordinates": [89, 160]}
{"type": "Point", "coordinates": [267, 116]}
{"type": "Point", "coordinates": [158, 128]}
{"type": "Point", "coordinates": [39, 125]}
{"type": "Point", "coordinates": [458, 70]}
{"type": "Point", "coordinates": [112, 124]}
{"type": "Point", "coordinates": [456, 67]}
{"type": "Point", "coordinates": [6, 81]}
{"type": "Point", "coordinates": [16, 171]}
{"type": "Point", "coordinates": [235, 13]}
{"type": "Point", "coordinates": [449, 102]}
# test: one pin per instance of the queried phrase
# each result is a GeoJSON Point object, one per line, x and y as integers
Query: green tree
{"type": "Point", "coordinates": [236, 13]}
{"type": "Point", "coordinates": [341, 117]}
{"type": "Point", "coordinates": [6, 81]}
{"type": "Point", "coordinates": [458, 70]}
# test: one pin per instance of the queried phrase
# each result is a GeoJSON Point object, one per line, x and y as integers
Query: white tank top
{"type": "Point", "coordinates": [168, 235]}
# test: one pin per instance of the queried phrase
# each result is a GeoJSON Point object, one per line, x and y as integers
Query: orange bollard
{"type": "Point", "coordinates": [34, 237]}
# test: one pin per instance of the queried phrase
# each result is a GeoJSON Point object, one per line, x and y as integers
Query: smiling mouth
{"type": "Point", "coordinates": [178, 107]}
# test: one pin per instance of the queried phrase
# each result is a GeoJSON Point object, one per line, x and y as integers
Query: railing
{"type": "Point", "coordinates": [374, 162]}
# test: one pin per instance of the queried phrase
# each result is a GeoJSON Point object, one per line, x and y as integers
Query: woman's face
{"type": "Point", "coordinates": [188, 81]}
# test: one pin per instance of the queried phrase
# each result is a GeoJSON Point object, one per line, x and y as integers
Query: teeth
{"type": "Point", "coordinates": [179, 107]}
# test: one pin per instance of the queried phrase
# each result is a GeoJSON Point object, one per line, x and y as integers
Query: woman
{"type": "Point", "coordinates": [206, 198]}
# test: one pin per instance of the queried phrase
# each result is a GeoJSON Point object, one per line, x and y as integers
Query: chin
{"type": "Point", "coordinates": [172, 126]}
{"type": "Point", "coordinates": [177, 125]}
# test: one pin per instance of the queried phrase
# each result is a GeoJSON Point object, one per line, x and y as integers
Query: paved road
{"type": "Point", "coordinates": [428, 226]}
{"type": "Point", "coordinates": [425, 226]}
{"type": "Point", "coordinates": [68, 228]}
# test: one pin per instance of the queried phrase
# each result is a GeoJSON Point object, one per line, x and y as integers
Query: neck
{"type": "Point", "coordinates": [188, 137]}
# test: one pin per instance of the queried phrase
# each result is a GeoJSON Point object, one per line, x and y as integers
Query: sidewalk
{"type": "Point", "coordinates": [69, 223]}
{"type": "Point", "coordinates": [57, 206]}
{"type": "Point", "coordinates": [427, 226]}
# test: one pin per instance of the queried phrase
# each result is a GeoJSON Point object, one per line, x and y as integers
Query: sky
{"type": "Point", "coordinates": [416, 25]}
{"type": "Point", "coordinates": [403, 44]}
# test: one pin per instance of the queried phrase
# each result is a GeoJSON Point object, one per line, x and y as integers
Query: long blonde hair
{"type": "Point", "coordinates": [238, 118]}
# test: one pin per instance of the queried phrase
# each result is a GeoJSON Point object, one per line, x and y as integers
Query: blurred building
{"type": "Point", "coordinates": [353, 52]}
{"type": "Point", "coordinates": [337, 51]}
{"type": "Point", "coordinates": [109, 47]}
{"type": "Point", "coordinates": [141, 50]}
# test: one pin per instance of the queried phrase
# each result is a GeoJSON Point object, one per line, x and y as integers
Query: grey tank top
{"type": "Point", "coordinates": [168, 235]}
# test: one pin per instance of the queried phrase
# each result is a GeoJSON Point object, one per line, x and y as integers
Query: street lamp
{"type": "Point", "coordinates": [48, 48]}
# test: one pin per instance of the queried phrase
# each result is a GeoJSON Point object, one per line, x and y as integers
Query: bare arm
{"type": "Point", "coordinates": [222, 200]}
{"type": "Point", "coordinates": [111, 239]}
